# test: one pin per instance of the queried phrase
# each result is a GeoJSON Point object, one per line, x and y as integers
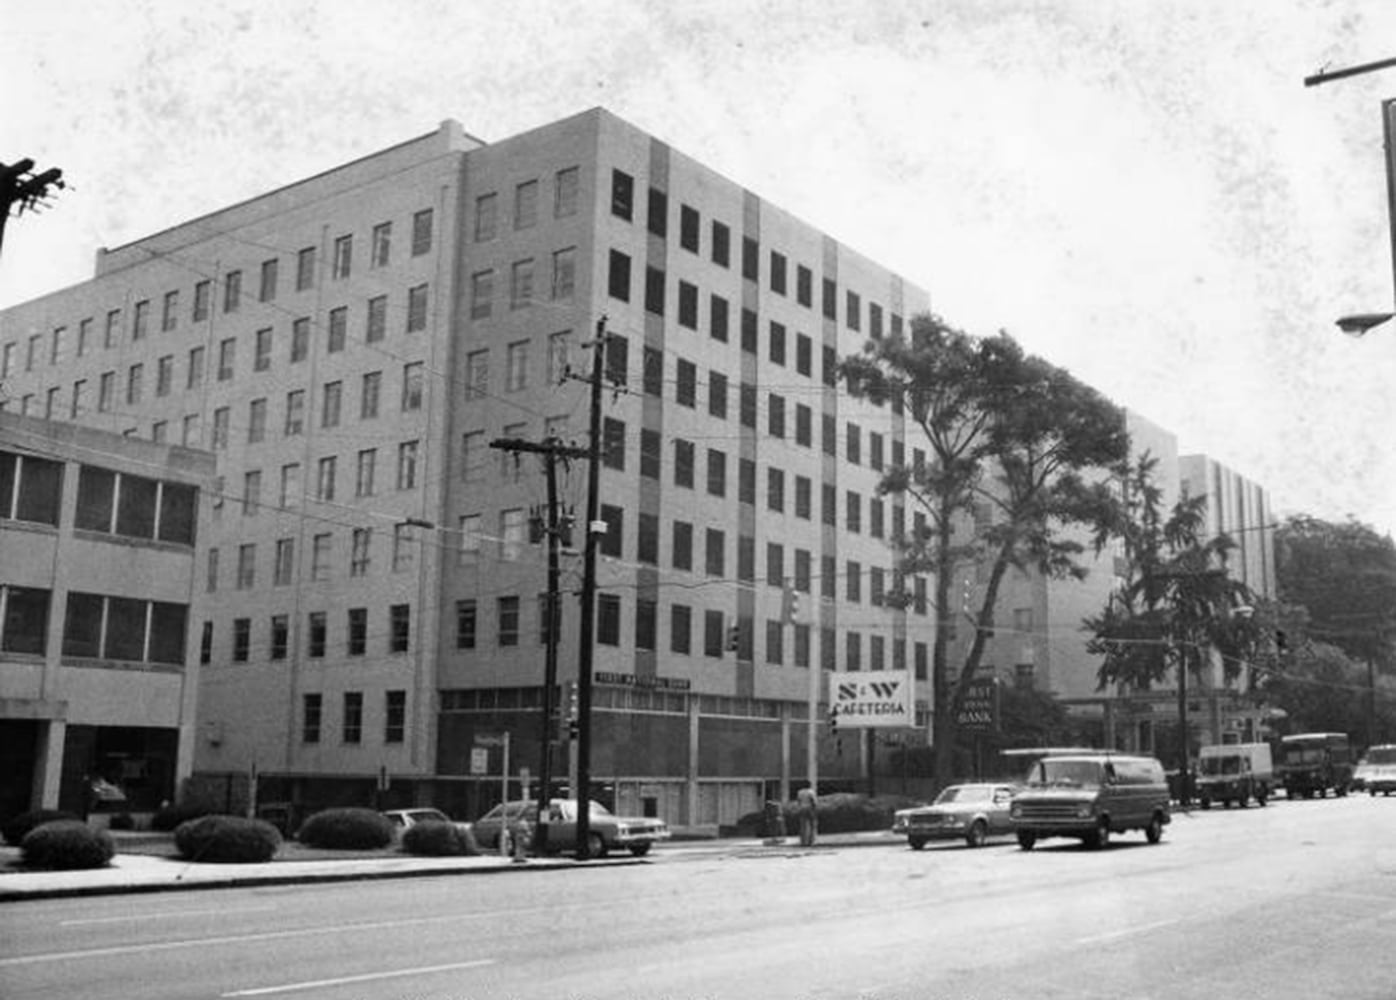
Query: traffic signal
{"type": "Point", "coordinates": [734, 638]}
{"type": "Point", "coordinates": [790, 605]}
{"type": "Point", "coordinates": [570, 712]}
{"type": "Point", "coordinates": [833, 718]}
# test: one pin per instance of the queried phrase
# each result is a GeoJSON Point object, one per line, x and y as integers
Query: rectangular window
{"type": "Point", "coordinates": [266, 289]}
{"type": "Point", "coordinates": [232, 291]}
{"type": "Point", "coordinates": [280, 637]}
{"type": "Point", "coordinates": [804, 355]}
{"type": "Point", "coordinates": [343, 261]}
{"type": "Point", "coordinates": [646, 623]}
{"type": "Point", "coordinates": [853, 448]}
{"type": "Point", "coordinates": [417, 308]}
{"type": "Point", "coordinates": [295, 413]}
{"type": "Point", "coordinates": [169, 314]}
{"type": "Point", "coordinates": [647, 540]}
{"type": "Point", "coordinates": [290, 485]}
{"type": "Point", "coordinates": [651, 448]}
{"type": "Point", "coordinates": [748, 405]}
{"type": "Point", "coordinates": [467, 623]}
{"type": "Point", "coordinates": [622, 195]}
{"type": "Point", "coordinates": [680, 629]}
{"type": "Point", "coordinates": [195, 376]}
{"type": "Point", "coordinates": [251, 492]}
{"type": "Point", "coordinates": [399, 627]}
{"type": "Point", "coordinates": [831, 299]}
{"type": "Point", "coordinates": [689, 226]}
{"type": "Point", "coordinates": [654, 291]}
{"type": "Point", "coordinates": [112, 332]}
{"type": "Point", "coordinates": [608, 619]}
{"type": "Point", "coordinates": [305, 269]}
{"type": "Point", "coordinates": [412, 378]}
{"type": "Point", "coordinates": [315, 634]}
{"type": "Point", "coordinates": [853, 311]}
{"type": "Point", "coordinates": [564, 274]}
{"type": "Point", "coordinates": [775, 490]}
{"type": "Point", "coordinates": [613, 444]}
{"type": "Point", "coordinates": [751, 259]}
{"type": "Point", "coordinates": [164, 375]}
{"type": "Point", "coordinates": [320, 556]}
{"type": "Point", "coordinates": [686, 383]}
{"type": "Point", "coordinates": [371, 386]}
{"type": "Point", "coordinates": [746, 481]}
{"type": "Point", "coordinates": [526, 205]}
{"type": "Point", "coordinates": [481, 294]}
{"type": "Point", "coordinates": [565, 187]}
{"type": "Point", "coordinates": [377, 325]}
{"type": "Point", "coordinates": [140, 325]}
{"type": "Point", "coordinates": [359, 552]}
{"type": "Point", "coordinates": [134, 377]}
{"type": "Point", "coordinates": [749, 329]}
{"type": "Point", "coordinates": [722, 244]}
{"type": "Point", "coordinates": [717, 395]}
{"type": "Point", "coordinates": [247, 566]}
{"type": "Point", "coordinates": [283, 573]}
{"type": "Point", "coordinates": [380, 245]}
{"type": "Point", "coordinates": [358, 631]}
{"type": "Point", "coordinates": [394, 716]}
{"type": "Point", "coordinates": [421, 232]}
{"type": "Point", "coordinates": [203, 295]}
{"type": "Point", "coordinates": [486, 217]}
{"type": "Point", "coordinates": [715, 553]}
{"type": "Point", "coordinates": [683, 546]}
{"type": "Point", "coordinates": [717, 318]}
{"type": "Point", "coordinates": [618, 276]}
{"type": "Point", "coordinates": [688, 305]}
{"type": "Point", "coordinates": [353, 728]}
{"type": "Point", "coordinates": [404, 547]}
{"type": "Point", "coordinates": [653, 373]}
{"type": "Point", "coordinates": [777, 273]}
{"type": "Point", "coordinates": [516, 366]}
{"type": "Point", "coordinates": [775, 415]}
{"type": "Point", "coordinates": [242, 639]}
{"type": "Point", "coordinates": [507, 621]}
{"type": "Point", "coordinates": [683, 463]}
{"type": "Point", "coordinates": [227, 353]}
{"type": "Point", "coordinates": [312, 705]}
{"type": "Point", "coordinates": [407, 465]}
{"type": "Point", "coordinates": [261, 350]}
{"type": "Point", "coordinates": [713, 640]}
{"type": "Point", "coordinates": [612, 543]}
{"type": "Point", "coordinates": [775, 564]}
{"type": "Point", "coordinates": [853, 515]}
{"type": "Point", "coordinates": [338, 330]}
{"type": "Point", "coordinates": [717, 472]}
{"type": "Point", "coordinates": [363, 478]}
{"type": "Point", "coordinates": [521, 284]}
{"type": "Point", "coordinates": [331, 402]}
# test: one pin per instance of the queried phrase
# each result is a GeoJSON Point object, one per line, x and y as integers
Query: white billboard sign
{"type": "Point", "coordinates": [881, 699]}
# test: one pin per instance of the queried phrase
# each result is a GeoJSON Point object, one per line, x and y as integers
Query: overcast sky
{"type": "Point", "coordinates": [1144, 193]}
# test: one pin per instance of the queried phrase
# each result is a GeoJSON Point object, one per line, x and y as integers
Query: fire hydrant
{"type": "Point", "coordinates": [520, 841]}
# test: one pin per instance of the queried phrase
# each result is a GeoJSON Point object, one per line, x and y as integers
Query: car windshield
{"type": "Point", "coordinates": [1220, 765]}
{"type": "Point", "coordinates": [428, 816]}
{"type": "Point", "coordinates": [1303, 755]}
{"type": "Point", "coordinates": [963, 793]}
{"type": "Point", "coordinates": [1381, 755]}
{"type": "Point", "coordinates": [1055, 771]}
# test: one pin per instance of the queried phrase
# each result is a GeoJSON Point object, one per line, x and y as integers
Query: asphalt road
{"type": "Point", "coordinates": [1294, 900]}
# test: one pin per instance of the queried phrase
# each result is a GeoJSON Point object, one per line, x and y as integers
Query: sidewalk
{"type": "Point", "coordinates": [144, 872]}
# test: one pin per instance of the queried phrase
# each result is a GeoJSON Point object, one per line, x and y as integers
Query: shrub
{"type": "Point", "coordinates": [227, 840]}
{"type": "Point", "coordinates": [66, 845]}
{"type": "Point", "coordinates": [439, 840]}
{"type": "Point", "coordinates": [347, 830]}
{"type": "Point", "coordinates": [166, 818]}
{"type": "Point", "coordinates": [18, 827]}
{"type": "Point", "coordinates": [123, 821]}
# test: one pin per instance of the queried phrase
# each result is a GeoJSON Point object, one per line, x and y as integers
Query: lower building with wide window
{"type": "Point", "coordinates": [98, 663]}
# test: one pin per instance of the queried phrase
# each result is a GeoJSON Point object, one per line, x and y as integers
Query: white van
{"type": "Point", "coordinates": [1234, 772]}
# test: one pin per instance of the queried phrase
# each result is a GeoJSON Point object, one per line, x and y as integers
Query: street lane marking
{"type": "Point", "coordinates": [316, 984]}
{"type": "Point", "coordinates": [166, 913]}
{"type": "Point", "coordinates": [1126, 932]}
{"type": "Point", "coordinates": [125, 949]}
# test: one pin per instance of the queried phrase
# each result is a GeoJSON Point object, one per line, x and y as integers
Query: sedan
{"type": "Point", "coordinates": [971, 812]}
{"type": "Point", "coordinates": [404, 818]}
{"type": "Point", "coordinates": [607, 832]}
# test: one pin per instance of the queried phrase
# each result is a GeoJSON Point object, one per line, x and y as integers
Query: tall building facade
{"type": "Point", "coordinates": [98, 657]}
{"type": "Point", "coordinates": [353, 347]}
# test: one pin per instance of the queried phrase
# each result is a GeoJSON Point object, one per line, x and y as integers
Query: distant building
{"type": "Point", "coordinates": [98, 657]}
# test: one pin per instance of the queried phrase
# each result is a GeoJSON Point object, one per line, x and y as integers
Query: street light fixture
{"type": "Point", "coordinates": [1358, 324]}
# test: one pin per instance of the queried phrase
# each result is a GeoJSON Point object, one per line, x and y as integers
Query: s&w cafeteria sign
{"type": "Point", "coordinates": [883, 698]}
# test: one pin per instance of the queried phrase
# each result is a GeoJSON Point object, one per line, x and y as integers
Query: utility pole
{"type": "Point", "coordinates": [588, 630]}
{"type": "Point", "coordinates": [551, 450]}
{"type": "Point", "coordinates": [26, 192]}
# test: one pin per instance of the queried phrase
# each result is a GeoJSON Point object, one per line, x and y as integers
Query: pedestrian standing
{"type": "Point", "coordinates": [809, 816]}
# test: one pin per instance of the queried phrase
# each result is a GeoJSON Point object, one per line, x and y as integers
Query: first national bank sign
{"type": "Point", "coordinates": [883, 698]}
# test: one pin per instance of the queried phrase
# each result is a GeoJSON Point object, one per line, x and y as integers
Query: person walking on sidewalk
{"type": "Point", "coordinates": [809, 816]}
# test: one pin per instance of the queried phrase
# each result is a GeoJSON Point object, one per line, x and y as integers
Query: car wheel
{"type": "Point", "coordinates": [1100, 836]}
{"type": "Point", "coordinates": [640, 850]}
{"type": "Point", "coordinates": [1206, 803]}
{"type": "Point", "coordinates": [596, 847]}
{"type": "Point", "coordinates": [1226, 803]}
{"type": "Point", "coordinates": [1373, 793]}
{"type": "Point", "coordinates": [978, 834]}
{"type": "Point", "coordinates": [1260, 799]}
{"type": "Point", "coordinates": [1242, 800]}
{"type": "Point", "coordinates": [1154, 831]}
{"type": "Point", "coordinates": [1026, 839]}
{"type": "Point", "coordinates": [917, 843]}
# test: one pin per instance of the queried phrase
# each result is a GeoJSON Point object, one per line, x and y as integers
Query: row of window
{"type": "Point", "coordinates": [53, 347]}
{"type": "Point", "coordinates": [405, 541]}
{"type": "Point", "coordinates": [110, 392]}
{"type": "Point", "coordinates": [351, 725]}
{"type": "Point", "coordinates": [114, 503]}
{"type": "Point", "coordinates": [720, 634]}
{"type": "Point", "coordinates": [317, 640]}
{"type": "Point", "coordinates": [778, 269]}
{"type": "Point", "coordinates": [94, 626]}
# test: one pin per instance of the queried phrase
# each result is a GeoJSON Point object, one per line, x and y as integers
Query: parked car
{"type": "Point", "coordinates": [1091, 797]}
{"type": "Point", "coordinates": [1234, 772]}
{"type": "Point", "coordinates": [607, 832]}
{"type": "Point", "coordinates": [970, 812]}
{"type": "Point", "coordinates": [1376, 771]}
{"type": "Point", "coordinates": [404, 818]}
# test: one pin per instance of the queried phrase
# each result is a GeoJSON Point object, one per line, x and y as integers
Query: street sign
{"type": "Point", "coordinates": [479, 760]}
{"type": "Point", "coordinates": [490, 739]}
{"type": "Point", "coordinates": [980, 709]}
{"type": "Point", "coordinates": [879, 700]}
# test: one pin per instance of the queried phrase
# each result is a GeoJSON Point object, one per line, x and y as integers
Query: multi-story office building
{"type": "Point", "coordinates": [98, 664]}
{"type": "Point", "coordinates": [352, 346]}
